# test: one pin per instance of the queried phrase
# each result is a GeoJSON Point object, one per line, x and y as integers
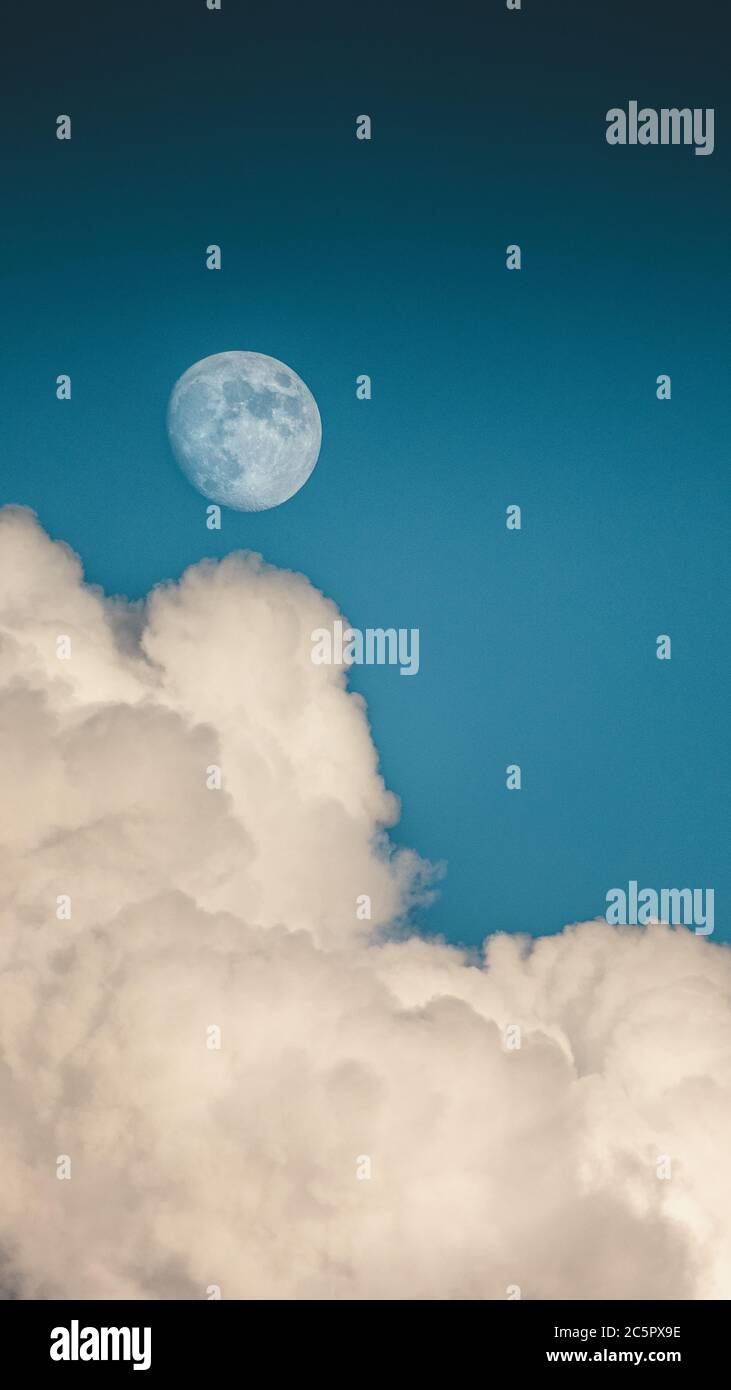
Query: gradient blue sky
{"type": "Point", "coordinates": [489, 388]}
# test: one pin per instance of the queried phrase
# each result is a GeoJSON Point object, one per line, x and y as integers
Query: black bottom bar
{"type": "Point", "coordinates": [350, 1340]}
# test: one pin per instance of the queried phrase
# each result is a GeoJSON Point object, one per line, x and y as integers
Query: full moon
{"type": "Point", "coordinates": [245, 429]}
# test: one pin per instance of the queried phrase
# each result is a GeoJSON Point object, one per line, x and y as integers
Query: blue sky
{"type": "Point", "coordinates": [489, 388]}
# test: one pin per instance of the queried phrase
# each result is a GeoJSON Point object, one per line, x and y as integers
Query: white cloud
{"type": "Point", "coordinates": [236, 908]}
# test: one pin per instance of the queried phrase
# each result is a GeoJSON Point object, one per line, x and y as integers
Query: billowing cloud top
{"type": "Point", "coordinates": [216, 1071]}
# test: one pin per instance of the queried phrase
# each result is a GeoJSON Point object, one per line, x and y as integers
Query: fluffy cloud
{"type": "Point", "coordinates": [363, 1131]}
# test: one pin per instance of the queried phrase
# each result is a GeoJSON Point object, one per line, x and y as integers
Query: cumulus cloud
{"type": "Point", "coordinates": [365, 1130]}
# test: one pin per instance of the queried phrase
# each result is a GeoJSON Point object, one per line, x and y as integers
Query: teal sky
{"type": "Point", "coordinates": [489, 388]}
